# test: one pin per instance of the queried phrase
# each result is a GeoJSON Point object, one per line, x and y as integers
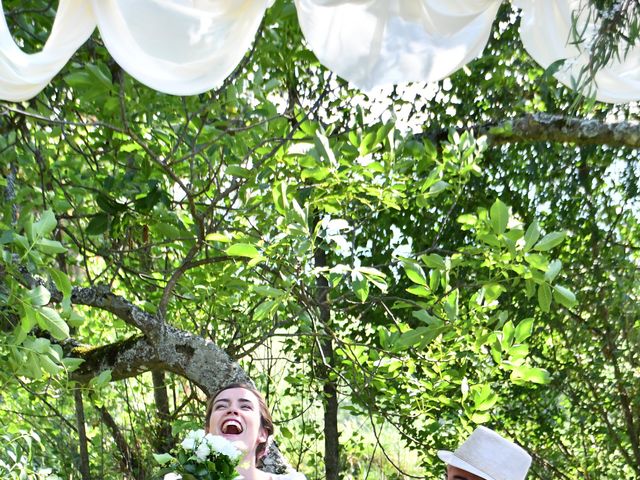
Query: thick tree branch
{"type": "Point", "coordinates": [542, 127]}
{"type": "Point", "coordinates": [101, 297]}
{"type": "Point", "coordinates": [177, 351]}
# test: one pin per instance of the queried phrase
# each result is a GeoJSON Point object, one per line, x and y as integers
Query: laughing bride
{"type": "Point", "coordinates": [238, 413]}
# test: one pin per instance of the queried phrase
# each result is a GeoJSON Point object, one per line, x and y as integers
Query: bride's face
{"type": "Point", "coordinates": [236, 416]}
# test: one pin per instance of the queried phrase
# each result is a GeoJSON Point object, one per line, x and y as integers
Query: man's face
{"type": "Point", "coordinates": [455, 473]}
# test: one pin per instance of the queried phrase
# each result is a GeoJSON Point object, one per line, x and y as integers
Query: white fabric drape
{"type": "Point", "coordinates": [181, 47]}
{"type": "Point", "coordinates": [185, 47]}
{"type": "Point", "coordinates": [22, 75]}
{"type": "Point", "coordinates": [381, 42]}
{"type": "Point", "coordinates": [546, 32]}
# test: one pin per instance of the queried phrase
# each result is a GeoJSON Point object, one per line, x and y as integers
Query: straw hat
{"type": "Point", "coordinates": [489, 456]}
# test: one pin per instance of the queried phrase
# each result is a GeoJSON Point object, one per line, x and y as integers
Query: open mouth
{"type": "Point", "coordinates": [231, 427]}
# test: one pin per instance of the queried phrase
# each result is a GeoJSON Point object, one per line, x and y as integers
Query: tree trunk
{"type": "Point", "coordinates": [129, 461]}
{"type": "Point", "coordinates": [330, 391]}
{"type": "Point", "coordinates": [82, 435]}
{"type": "Point", "coordinates": [164, 440]}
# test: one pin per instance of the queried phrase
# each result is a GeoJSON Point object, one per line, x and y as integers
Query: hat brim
{"type": "Point", "coordinates": [450, 459]}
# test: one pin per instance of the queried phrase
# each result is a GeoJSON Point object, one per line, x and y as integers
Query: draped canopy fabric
{"type": "Point", "coordinates": [22, 75]}
{"type": "Point", "coordinates": [393, 41]}
{"type": "Point", "coordinates": [546, 30]}
{"type": "Point", "coordinates": [180, 47]}
{"type": "Point", "coordinates": [185, 47]}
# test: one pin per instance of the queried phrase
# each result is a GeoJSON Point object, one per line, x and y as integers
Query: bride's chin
{"type": "Point", "coordinates": [237, 440]}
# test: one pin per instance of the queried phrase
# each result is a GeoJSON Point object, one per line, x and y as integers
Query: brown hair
{"type": "Point", "coordinates": [266, 421]}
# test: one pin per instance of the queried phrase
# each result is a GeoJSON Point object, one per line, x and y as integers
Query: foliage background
{"type": "Point", "coordinates": [379, 267]}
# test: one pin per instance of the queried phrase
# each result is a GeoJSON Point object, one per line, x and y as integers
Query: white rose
{"type": "Point", "coordinates": [215, 442]}
{"type": "Point", "coordinates": [188, 444]}
{"type": "Point", "coordinates": [231, 451]}
{"type": "Point", "coordinates": [203, 451]}
{"type": "Point", "coordinates": [172, 476]}
{"type": "Point", "coordinates": [193, 439]}
{"type": "Point", "coordinates": [222, 445]}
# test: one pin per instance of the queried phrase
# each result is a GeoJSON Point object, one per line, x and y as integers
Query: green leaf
{"type": "Point", "coordinates": [499, 215]}
{"type": "Point", "coordinates": [425, 317]}
{"type": "Point", "coordinates": [63, 284]}
{"type": "Point", "coordinates": [550, 240]}
{"type": "Point", "coordinates": [479, 418]}
{"type": "Point", "coordinates": [39, 296]}
{"type": "Point", "coordinates": [98, 224]}
{"type": "Point", "coordinates": [434, 260]}
{"type": "Point", "coordinates": [524, 329]}
{"type": "Point", "coordinates": [420, 291]}
{"type": "Point", "coordinates": [318, 173]}
{"type": "Point", "coordinates": [242, 250]}
{"type": "Point", "coordinates": [526, 373]}
{"type": "Point", "coordinates": [360, 287]}
{"type": "Point", "coordinates": [537, 260]}
{"type": "Point", "coordinates": [217, 237]}
{"type": "Point", "coordinates": [45, 225]}
{"type": "Point", "coordinates": [564, 296]}
{"type": "Point", "coordinates": [553, 270]}
{"type": "Point", "coordinates": [265, 309]}
{"type": "Point", "coordinates": [492, 291]}
{"type": "Point", "coordinates": [78, 79]}
{"type": "Point", "coordinates": [508, 332]}
{"type": "Point", "coordinates": [29, 319]}
{"type": "Point", "coordinates": [434, 280]}
{"type": "Point", "coordinates": [450, 305]}
{"type": "Point", "coordinates": [371, 271]}
{"type": "Point", "coordinates": [163, 458]}
{"type": "Point", "coordinates": [102, 75]}
{"type": "Point", "coordinates": [414, 337]}
{"type": "Point", "coordinates": [378, 282]}
{"type": "Point", "coordinates": [544, 297]}
{"type": "Point", "coordinates": [437, 188]}
{"type": "Point", "coordinates": [484, 398]}
{"type": "Point", "coordinates": [467, 219]}
{"type": "Point", "coordinates": [72, 364]}
{"type": "Point", "coordinates": [531, 236]}
{"type": "Point", "coordinates": [414, 272]}
{"type": "Point", "coordinates": [75, 319]}
{"type": "Point", "coordinates": [109, 205]}
{"type": "Point", "coordinates": [266, 291]}
{"type": "Point", "coordinates": [49, 365]}
{"type": "Point", "coordinates": [324, 148]}
{"type": "Point", "coordinates": [50, 320]}
{"type": "Point", "coordinates": [236, 171]}
{"type": "Point", "coordinates": [50, 246]}
{"type": "Point", "coordinates": [100, 380]}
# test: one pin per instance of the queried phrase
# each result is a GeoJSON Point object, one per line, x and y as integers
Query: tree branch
{"type": "Point", "coordinates": [542, 127]}
{"type": "Point", "coordinates": [101, 297]}
{"type": "Point", "coordinates": [129, 462]}
{"type": "Point", "coordinates": [177, 351]}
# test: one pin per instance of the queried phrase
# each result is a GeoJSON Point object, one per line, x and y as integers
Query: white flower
{"type": "Point", "coordinates": [172, 476]}
{"type": "Point", "coordinates": [193, 439]}
{"type": "Point", "coordinates": [223, 446]}
{"type": "Point", "coordinates": [231, 451]}
{"type": "Point", "coordinates": [203, 451]}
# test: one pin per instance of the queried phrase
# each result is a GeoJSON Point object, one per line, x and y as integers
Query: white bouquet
{"type": "Point", "coordinates": [201, 456]}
